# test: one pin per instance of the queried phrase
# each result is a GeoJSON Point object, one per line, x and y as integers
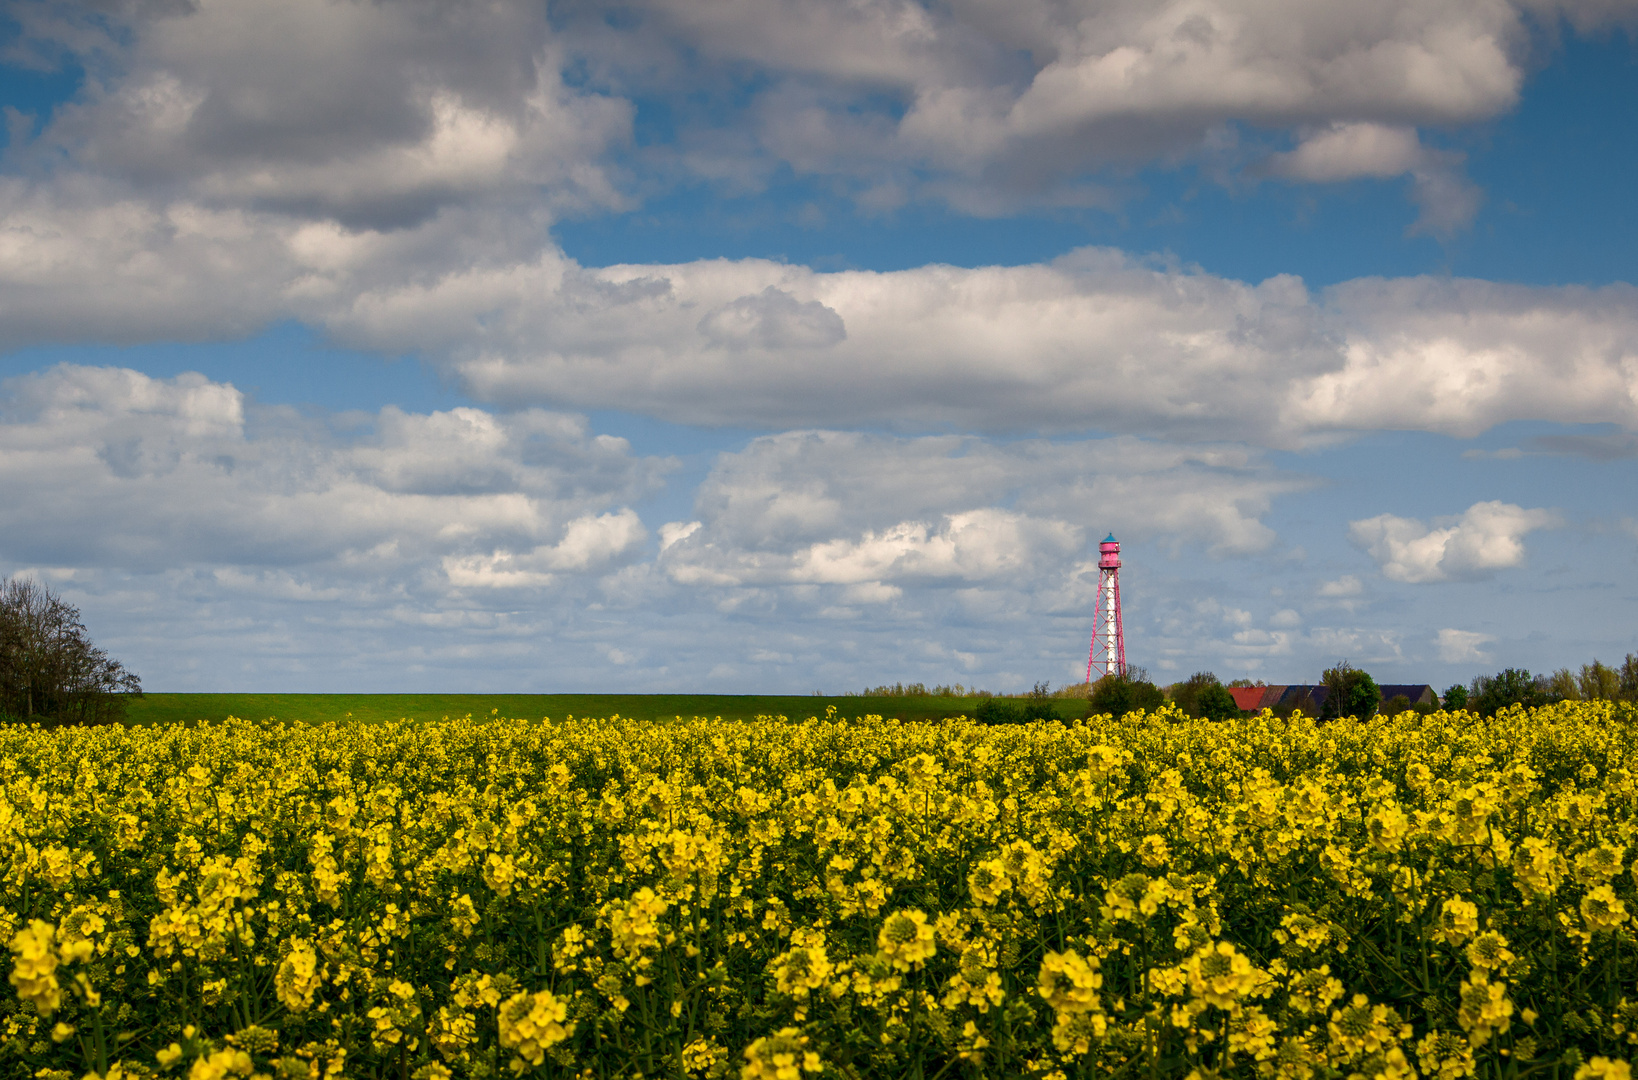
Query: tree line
{"type": "Point", "coordinates": [1488, 694]}
{"type": "Point", "coordinates": [50, 672]}
{"type": "Point", "coordinates": [1350, 692]}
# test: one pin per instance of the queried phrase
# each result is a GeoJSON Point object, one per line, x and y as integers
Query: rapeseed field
{"type": "Point", "coordinates": [1436, 897]}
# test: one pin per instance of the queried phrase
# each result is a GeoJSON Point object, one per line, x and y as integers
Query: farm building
{"type": "Point", "coordinates": [1310, 697]}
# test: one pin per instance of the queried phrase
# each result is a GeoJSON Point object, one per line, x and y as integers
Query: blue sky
{"type": "Point", "coordinates": [778, 345]}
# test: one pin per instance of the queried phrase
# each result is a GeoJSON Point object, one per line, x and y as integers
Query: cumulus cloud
{"type": "Point", "coordinates": [212, 540]}
{"type": "Point", "coordinates": [773, 319]}
{"type": "Point", "coordinates": [391, 172]}
{"type": "Point", "coordinates": [1350, 150]}
{"type": "Point", "coordinates": [1486, 538]}
{"type": "Point", "coordinates": [588, 543]}
{"type": "Point", "coordinates": [1347, 151]}
{"type": "Point", "coordinates": [370, 114]}
{"type": "Point", "coordinates": [1462, 646]}
{"type": "Point", "coordinates": [1095, 339]}
{"type": "Point", "coordinates": [1343, 587]}
{"type": "Point", "coordinates": [377, 115]}
{"type": "Point", "coordinates": [875, 513]}
{"type": "Point", "coordinates": [109, 468]}
{"type": "Point", "coordinates": [999, 100]}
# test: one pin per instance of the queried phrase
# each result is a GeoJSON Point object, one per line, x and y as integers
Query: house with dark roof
{"type": "Point", "coordinates": [1310, 697]}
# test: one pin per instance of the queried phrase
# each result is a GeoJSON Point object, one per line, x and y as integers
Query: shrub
{"type": "Point", "coordinates": [1118, 695]}
{"type": "Point", "coordinates": [1037, 706]}
{"type": "Point", "coordinates": [1216, 703]}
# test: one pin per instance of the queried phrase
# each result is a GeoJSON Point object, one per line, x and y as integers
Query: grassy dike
{"type": "Point", "coordinates": [163, 708]}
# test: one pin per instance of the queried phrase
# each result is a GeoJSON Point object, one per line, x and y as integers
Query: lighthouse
{"type": "Point", "coordinates": [1108, 653]}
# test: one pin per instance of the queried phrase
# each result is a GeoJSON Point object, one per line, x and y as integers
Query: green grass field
{"type": "Point", "coordinates": [317, 708]}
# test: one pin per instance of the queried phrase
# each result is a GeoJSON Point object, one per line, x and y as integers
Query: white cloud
{"type": "Point", "coordinates": [108, 468]}
{"type": "Point", "coordinates": [952, 530]}
{"type": "Point", "coordinates": [390, 173]}
{"type": "Point", "coordinates": [588, 543]}
{"type": "Point", "coordinates": [1345, 151]}
{"type": "Point", "coordinates": [374, 114]}
{"type": "Point", "coordinates": [1462, 646]}
{"type": "Point", "coordinates": [1012, 100]}
{"type": "Point", "coordinates": [1345, 586]}
{"type": "Point", "coordinates": [839, 508]}
{"type": "Point", "coordinates": [1092, 340]}
{"type": "Point", "coordinates": [1486, 538]}
{"type": "Point", "coordinates": [446, 545]}
{"type": "Point", "coordinates": [1357, 645]}
{"type": "Point", "coordinates": [773, 319]}
{"type": "Point", "coordinates": [378, 115]}
{"type": "Point", "coordinates": [1350, 150]}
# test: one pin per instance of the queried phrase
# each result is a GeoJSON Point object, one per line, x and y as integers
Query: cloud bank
{"type": "Point", "coordinates": [109, 468]}
{"type": "Point", "coordinates": [378, 114]}
{"type": "Point", "coordinates": [391, 172]}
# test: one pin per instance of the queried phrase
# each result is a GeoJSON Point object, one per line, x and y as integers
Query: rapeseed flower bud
{"type": "Point", "coordinates": [1387, 826]}
{"type": "Point", "coordinates": [988, 880]}
{"type": "Point", "coordinates": [1602, 910]}
{"type": "Point", "coordinates": [634, 926]}
{"type": "Point", "coordinates": [34, 971]}
{"type": "Point", "coordinates": [781, 1056]}
{"type": "Point", "coordinates": [1135, 897]}
{"type": "Point", "coordinates": [298, 977]}
{"type": "Point", "coordinates": [1489, 952]}
{"type": "Point", "coordinates": [805, 967]}
{"type": "Point", "coordinates": [531, 1024]}
{"type": "Point", "coordinates": [1458, 921]}
{"type": "Point", "coordinates": [1485, 1009]}
{"type": "Point", "coordinates": [1360, 1028]}
{"type": "Point", "coordinates": [1313, 991]}
{"type": "Point", "coordinates": [906, 939]}
{"type": "Point", "coordinates": [1602, 1068]}
{"type": "Point", "coordinates": [1445, 1055]}
{"type": "Point", "coordinates": [1069, 982]}
{"type": "Point", "coordinates": [221, 1064]}
{"type": "Point", "coordinates": [499, 873]}
{"type": "Point", "coordinates": [1537, 867]}
{"type": "Point", "coordinates": [1220, 975]}
{"type": "Point", "coordinates": [1597, 865]}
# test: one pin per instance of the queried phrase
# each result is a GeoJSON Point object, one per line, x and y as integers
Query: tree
{"type": "Point", "coordinates": [1562, 685]}
{"type": "Point", "coordinates": [1349, 692]}
{"type": "Point", "coordinates": [1489, 694]}
{"type": "Point", "coordinates": [1201, 695]}
{"type": "Point", "coordinates": [1216, 703]}
{"type": "Point", "coordinates": [1598, 682]}
{"type": "Point", "coordinates": [1185, 695]}
{"type": "Point", "coordinates": [48, 667]}
{"type": "Point", "coordinates": [1125, 693]}
{"type": "Point", "coordinates": [1454, 698]}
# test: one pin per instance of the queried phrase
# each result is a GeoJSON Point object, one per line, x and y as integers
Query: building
{"type": "Point", "coordinates": [1310, 697]}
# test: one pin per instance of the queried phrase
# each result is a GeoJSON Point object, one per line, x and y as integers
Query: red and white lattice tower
{"type": "Point", "coordinates": [1108, 654]}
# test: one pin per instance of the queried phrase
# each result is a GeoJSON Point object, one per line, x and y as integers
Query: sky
{"type": "Point", "coordinates": [752, 346]}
